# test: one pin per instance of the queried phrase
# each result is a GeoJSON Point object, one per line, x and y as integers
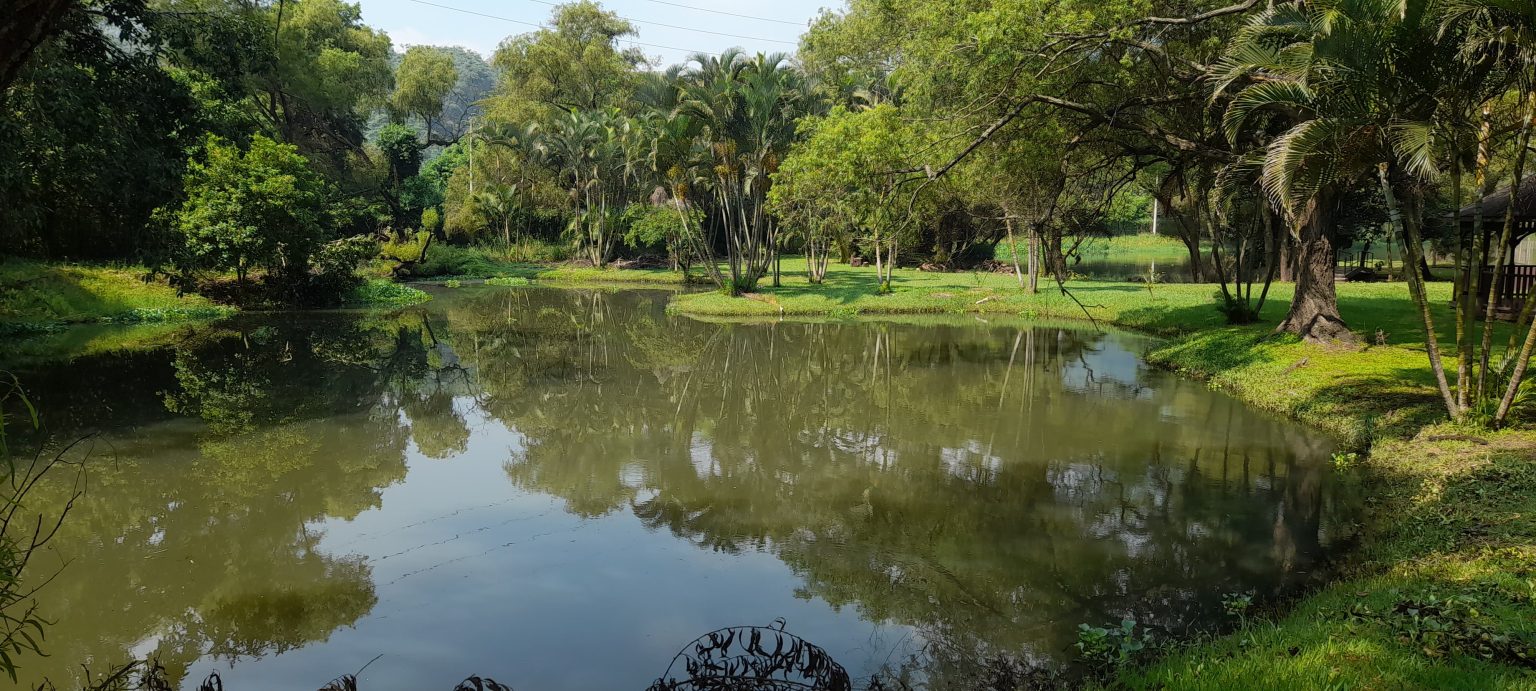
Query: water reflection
{"type": "Point", "coordinates": [981, 487]}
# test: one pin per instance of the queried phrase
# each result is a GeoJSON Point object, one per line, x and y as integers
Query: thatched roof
{"type": "Point", "coordinates": [1496, 204]}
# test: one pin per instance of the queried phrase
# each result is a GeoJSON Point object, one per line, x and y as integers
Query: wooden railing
{"type": "Point", "coordinates": [1515, 283]}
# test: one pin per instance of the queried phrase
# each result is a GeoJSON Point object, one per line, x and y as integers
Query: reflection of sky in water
{"type": "Point", "coordinates": [1109, 367]}
{"type": "Point", "coordinates": [475, 576]}
{"type": "Point", "coordinates": [565, 503]}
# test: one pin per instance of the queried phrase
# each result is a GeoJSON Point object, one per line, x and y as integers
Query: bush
{"type": "Point", "coordinates": [486, 261]}
{"type": "Point", "coordinates": [260, 207]}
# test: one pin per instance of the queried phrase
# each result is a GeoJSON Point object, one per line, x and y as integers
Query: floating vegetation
{"type": "Point", "coordinates": [383, 293]}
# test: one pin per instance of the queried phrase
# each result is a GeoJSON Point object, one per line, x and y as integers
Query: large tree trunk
{"type": "Point", "coordinates": [24, 27]}
{"type": "Point", "coordinates": [1314, 311]}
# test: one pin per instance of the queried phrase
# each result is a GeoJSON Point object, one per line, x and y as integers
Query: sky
{"type": "Point", "coordinates": [430, 22]}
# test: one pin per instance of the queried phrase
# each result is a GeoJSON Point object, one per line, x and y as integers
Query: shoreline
{"type": "Point", "coordinates": [1451, 512]}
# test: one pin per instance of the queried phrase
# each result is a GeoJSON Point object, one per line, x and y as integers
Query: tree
{"type": "Point", "coordinates": [843, 171]}
{"type": "Point", "coordinates": [1499, 35]}
{"type": "Point", "coordinates": [598, 155]}
{"type": "Point", "coordinates": [749, 108]}
{"type": "Point", "coordinates": [96, 132]}
{"type": "Point", "coordinates": [574, 64]}
{"type": "Point", "coordinates": [424, 80]}
{"type": "Point", "coordinates": [328, 70]}
{"type": "Point", "coordinates": [258, 207]}
{"type": "Point", "coordinates": [1327, 69]}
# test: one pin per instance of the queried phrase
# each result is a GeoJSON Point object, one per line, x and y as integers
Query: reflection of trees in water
{"type": "Point", "coordinates": [991, 486]}
{"type": "Point", "coordinates": [197, 540]}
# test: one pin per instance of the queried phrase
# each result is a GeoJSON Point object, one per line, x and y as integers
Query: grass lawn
{"type": "Point", "coordinates": [448, 262]}
{"type": "Point", "coordinates": [39, 297]}
{"type": "Point", "coordinates": [1142, 247]}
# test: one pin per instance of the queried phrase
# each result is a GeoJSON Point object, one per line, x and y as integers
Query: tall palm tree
{"type": "Point", "coordinates": [598, 155]}
{"type": "Point", "coordinates": [678, 162]}
{"type": "Point", "coordinates": [750, 107]}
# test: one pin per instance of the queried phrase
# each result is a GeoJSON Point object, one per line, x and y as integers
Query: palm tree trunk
{"type": "Point", "coordinates": [1034, 258]}
{"type": "Point", "coordinates": [1411, 249]}
{"type": "Point", "coordinates": [1513, 385]}
{"type": "Point", "coordinates": [1274, 240]}
{"type": "Point", "coordinates": [1479, 257]}
{"type": "Point", "coordinates": [1314, 313]}
{"type": "Point", "coordinates": [1504, 251]}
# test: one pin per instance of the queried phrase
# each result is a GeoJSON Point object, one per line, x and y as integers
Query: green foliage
{"type": "Point", "coordinates": [1237, 604]}
{"type": "Point", "coordinates": [841, 176]}
{"type": "Point", "coordinates": [649, 227]}
{"type": "Point", "coordinates": [573, 65]}
{"type": "Point", "coordinates": [407, 250]}
{"type": "Point", "coordinates": [431, 221]}
{"type": "Point", "coordinates": [258, 207]}
{"type": "Point", "coordinates": [330, 67]}
{"type": "Point", "coordinates": [1345, 460]}
{"type": "Point", "coordinates": [508, 281]}
{"type": "Point", "coordinates": [95, 141]}
{"type": "Point", "coordinates": [423, 81]}
{"type": "Point", "coordinates": [398, 143]}
{"type": "Point", "coordinates": [1114, 646]}
{"type": "Point", "coordinates": [382, 293]}
{"type": "Point", "coordinates": [663, 228]}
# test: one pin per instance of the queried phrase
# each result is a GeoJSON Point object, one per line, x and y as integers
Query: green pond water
{"type": "Point", "coordinates": [561, 488]}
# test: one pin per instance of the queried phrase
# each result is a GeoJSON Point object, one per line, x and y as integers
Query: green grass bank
{"type": "Point", "coordinates": [37, 297]}
{"type": "Point", "coordinates": [530, 261]}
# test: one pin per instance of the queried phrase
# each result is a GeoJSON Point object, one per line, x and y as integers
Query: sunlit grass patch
{"type": "Point", "coordinates": [36, 297]}
{"type": "Point", "coordinates": [1141, 247]}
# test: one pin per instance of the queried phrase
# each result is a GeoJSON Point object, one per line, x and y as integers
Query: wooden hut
{"type": "Point", "coordinates": [1519, 277]}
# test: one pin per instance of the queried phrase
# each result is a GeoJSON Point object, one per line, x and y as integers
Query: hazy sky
{"type": "Point", "coordinates": [412, 22]}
